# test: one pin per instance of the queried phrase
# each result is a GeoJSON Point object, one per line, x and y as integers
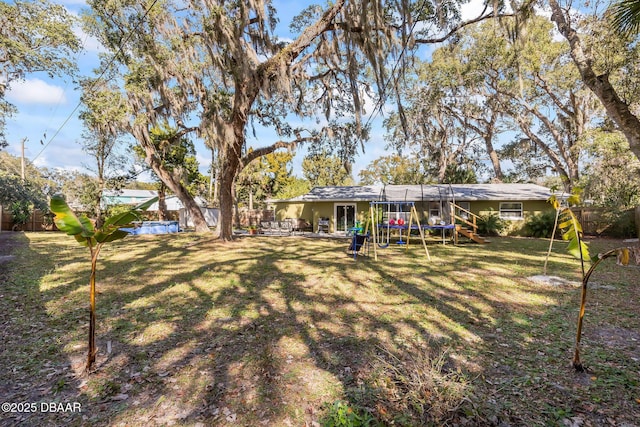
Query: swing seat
{"type": "Point", "coordinates": [359, 242]}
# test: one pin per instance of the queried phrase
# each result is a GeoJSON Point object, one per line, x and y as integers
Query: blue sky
{"type": "Point", "coordinates": [48, 109]}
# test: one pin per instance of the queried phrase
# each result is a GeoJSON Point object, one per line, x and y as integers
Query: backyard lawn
{"type": "Point", "coordinates": [291, 331]}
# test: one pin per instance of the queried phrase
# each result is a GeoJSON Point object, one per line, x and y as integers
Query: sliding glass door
{"type": "Point", "coordinates": [345, 215]}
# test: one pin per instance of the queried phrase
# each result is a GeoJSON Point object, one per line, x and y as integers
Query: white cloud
{"type": "Point", "coordinates": [35, 91]}
{"type": "Point", "coordinates": [58, 154]}
{"type": "Point", "coordinates": [474, 8]}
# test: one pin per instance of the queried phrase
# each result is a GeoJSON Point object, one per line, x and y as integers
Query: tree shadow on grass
{"type": "Point", "coordinates": [265, 331]}
{"type": "Point", "coordinates": [240, 334]}
{"type": "Point", "coordinates": [35, 372]}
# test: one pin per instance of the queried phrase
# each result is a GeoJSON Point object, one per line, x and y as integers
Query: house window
{"type": "Point", "coordinates": [511, 210]}
{"type": "Point", "coordinates": [463, 213]}
{"type": "Point", "coordinates": [434, 210]}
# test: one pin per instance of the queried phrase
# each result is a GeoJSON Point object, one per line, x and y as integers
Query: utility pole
{"type": "Point", "coordinates": [22, 163]}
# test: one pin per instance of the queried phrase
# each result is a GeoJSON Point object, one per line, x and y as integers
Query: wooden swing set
{"type": "Point", "coordinates": [381, 228]}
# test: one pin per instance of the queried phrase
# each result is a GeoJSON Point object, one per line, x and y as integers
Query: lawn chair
{"type": "Point", "coordinates": [265, 227]}
{"type": "Point", "coordinates": [285, 227]}
{"type": "Point", "coordinates": [274, 227]}
{"type": "Point", "coordinates": [359, 242]}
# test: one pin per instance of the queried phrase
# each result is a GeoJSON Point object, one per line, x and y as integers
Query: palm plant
{"type": "Point", "coordinates": [85, 232]}
{"type": "Point", "coordinates": [626, 16]}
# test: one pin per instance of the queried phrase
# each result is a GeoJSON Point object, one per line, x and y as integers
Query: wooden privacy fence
{"type": "Point", "coordinates": [604, 221]}
{"type": "Point", "coordinates": [35, 223]}
{"type": "Point", "coordinates": [247, 217]}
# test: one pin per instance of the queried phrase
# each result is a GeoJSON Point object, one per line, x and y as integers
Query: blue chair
{"type": "Point", "coordinates": [359, 242]}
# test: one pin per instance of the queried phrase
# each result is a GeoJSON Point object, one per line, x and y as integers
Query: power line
{"type": "Point", "coordinates": [84, 43]}
{"type": "Point", "coordinates": [95, 82]}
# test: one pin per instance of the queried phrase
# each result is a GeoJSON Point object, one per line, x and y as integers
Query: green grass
{"type": "Point", "coordinates": [283, 331]}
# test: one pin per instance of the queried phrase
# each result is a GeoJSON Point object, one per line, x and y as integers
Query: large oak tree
{"type": "Point", "coordinates": [217, 67]}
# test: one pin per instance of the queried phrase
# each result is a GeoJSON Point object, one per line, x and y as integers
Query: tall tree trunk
{"type": "Point", "coordinates": [227, 177]}
{"type": "Point", "coordinates": [162, 203]}
{"type": "Point", "coordinates": [617, 110]}
{"type": "Point", "coordinates": [212, 175]}
{"type": "Point", "coordinates": [236, 209]}
{"type": "Point", "coordinates": [230, 164]}
{"type": "Point", "coordinates": [141, 133]}
{"type": "Point", "coordinates": [442, 169]}
{"type": "Point", "coordinates": [495, 160]}
{"type": "Point", "coordinates": [101, 187]}
{"type": "Point", "coordinates": [172, 182]}
{"type": "Point", "coordinates": [183, 195]}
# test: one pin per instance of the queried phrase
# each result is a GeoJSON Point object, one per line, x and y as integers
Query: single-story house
{"type": "Point", "coordinates": [336, 209]}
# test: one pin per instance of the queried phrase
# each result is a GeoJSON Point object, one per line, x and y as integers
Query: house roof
{"type": "Point", "coordinates": [416, 193]}
{"type": "Point", "coordinates": [126, 193]}
{"type": "Point", "coordinates": [174, 204]}
{"type": "Point", "coordinates": [348, 193]}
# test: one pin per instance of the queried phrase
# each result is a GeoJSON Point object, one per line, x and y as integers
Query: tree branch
{"type": "Point", "coordinates": [617, 109]}
{"type": "Point", "coordinates": [542, 83]}
{"type": "Point", "coordinates": [461, 26]}
{"type": "Point", "coordinates": [259, 152]}
{"type": "Point", "coordinates": [295, 48]}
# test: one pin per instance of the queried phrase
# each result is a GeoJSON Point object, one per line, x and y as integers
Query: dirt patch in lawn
{"type": "Point", "coordinates": [623, 339]}
{"type": "Point", "coordinates": [552, 281]}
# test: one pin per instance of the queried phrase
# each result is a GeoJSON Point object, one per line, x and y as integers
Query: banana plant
{"type": "Point", "coordinates": [623, 256]}
{"type": "Point", "coordinates": [85, 232]}
{"type": "Point", "coordinates": [558, 208]}
{"type": "Point", "coordinates": [572, 231]}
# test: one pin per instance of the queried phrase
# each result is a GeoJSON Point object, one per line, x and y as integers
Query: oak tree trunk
{"type": "Point", "coordinates": [228, 172]}
{"type": "Point", "coordinates": [171, 182]}
{"type": "Point", "coordinates": [617, 109]}
{"type": "Point", "coordinates": [495, 160]}
{"type": "Point", "coordinates": [183, 195]}
{"type": "Point", "coordinates": [162, 204]}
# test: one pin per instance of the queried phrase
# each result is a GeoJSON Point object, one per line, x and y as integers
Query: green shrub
{"type": "Point", "coordinates": [541, 225]}
{"type": "Point", "coordinates": [622, 224]}
{"type": "Point", "coordinates": [20, 214]}
{"type": "Point", "coordinates": [490, 224]}
{"type": "Point", "coordinates": [341, 414]}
